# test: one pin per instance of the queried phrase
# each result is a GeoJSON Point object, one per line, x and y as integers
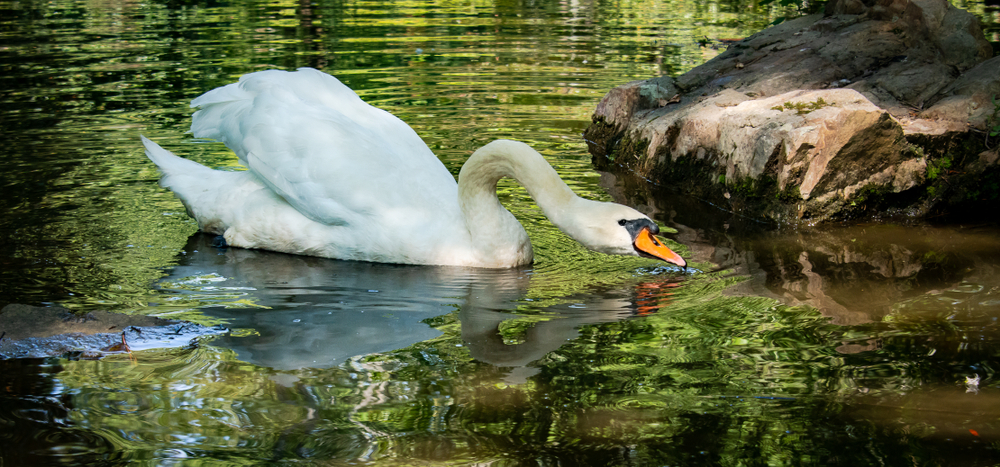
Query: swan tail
{"type": "Point", "coordinates": [186, 178]}
{"type": "Point", "coordinates": [207, 194]}
{"type": "Point", "coordinates": [170, 166]}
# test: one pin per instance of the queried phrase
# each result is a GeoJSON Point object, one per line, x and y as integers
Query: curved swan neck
{"type": "Point", "coordinates": [477, 182]}
{"type": "Point", "coordinates": [491, 226]}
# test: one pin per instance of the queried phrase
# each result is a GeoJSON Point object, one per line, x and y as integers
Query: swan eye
{"type": "Point", "coordinates": [622, 222]}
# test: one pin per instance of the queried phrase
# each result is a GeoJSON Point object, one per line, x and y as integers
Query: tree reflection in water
{"type": "Point", "coordinates": [845, 346]}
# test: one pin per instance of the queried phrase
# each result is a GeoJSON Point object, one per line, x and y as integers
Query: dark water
{"type": "Point", "coordinates": [857, 345]}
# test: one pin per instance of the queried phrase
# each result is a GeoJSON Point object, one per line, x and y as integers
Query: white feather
{"type": "Point", "coordinates": [329, 175]}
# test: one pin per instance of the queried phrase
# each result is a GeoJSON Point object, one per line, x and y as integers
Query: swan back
{"type": "Point", "coordinates": [315, 143]}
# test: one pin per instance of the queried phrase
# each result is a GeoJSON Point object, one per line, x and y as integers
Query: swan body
{"type": "Point", "coordinates": [331, 176]}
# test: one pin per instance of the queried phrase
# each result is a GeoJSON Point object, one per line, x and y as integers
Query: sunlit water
{"type": "Point", "coordinates": [850, 346]}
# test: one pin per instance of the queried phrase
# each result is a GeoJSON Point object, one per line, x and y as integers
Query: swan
{"type": "Point", "coordinates": [331, 176]}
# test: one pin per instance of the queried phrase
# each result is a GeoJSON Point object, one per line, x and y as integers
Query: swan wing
{"type": "Point", "coordinates": [314, 142]}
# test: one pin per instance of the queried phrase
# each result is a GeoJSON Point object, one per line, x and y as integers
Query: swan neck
{"type": "Point", "coordinates": [477, 182]}
{"type": "Point", "coordinates": [493, 230]}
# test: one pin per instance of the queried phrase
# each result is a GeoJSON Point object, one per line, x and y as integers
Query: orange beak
{"type": "Point", "coordinates": [649, 246]}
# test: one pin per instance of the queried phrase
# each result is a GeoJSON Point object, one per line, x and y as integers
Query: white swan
{"type": "Point", "coordinates": [332, 176]}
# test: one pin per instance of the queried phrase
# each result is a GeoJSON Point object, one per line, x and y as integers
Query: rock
{"type": "Point", "coordinates": [22, 321]}
{"type": "Point", "coordinates": [819, 118]}
{"type": "Point", "coordinates": [968, 99]}
{"type": "Point", "coordinates": [32, 332]}
{"type": "Point", "coordinates": [622, 102]}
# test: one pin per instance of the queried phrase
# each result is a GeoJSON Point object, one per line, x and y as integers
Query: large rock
{"type": "Point", "coordinates": [821, 118]}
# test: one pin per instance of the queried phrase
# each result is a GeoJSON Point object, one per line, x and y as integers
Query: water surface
{"type": "Point", "coordinates": [845, 345]}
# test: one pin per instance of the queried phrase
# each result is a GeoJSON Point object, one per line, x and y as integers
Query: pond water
{"type": "Point", "coordinates": [845, 345]}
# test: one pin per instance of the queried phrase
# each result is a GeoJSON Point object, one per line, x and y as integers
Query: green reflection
{"type": "Point", "coordinates": [724, 380]}
{"type": "Point", "coordinates": [83, 80]}
{"type": "Point", "coordinates": [663, 373]}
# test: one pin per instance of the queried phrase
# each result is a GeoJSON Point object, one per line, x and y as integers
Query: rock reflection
{"type": "Point", "coordinates": [851, 274]}
{"type": "Point", "coordinates": [290, 312]}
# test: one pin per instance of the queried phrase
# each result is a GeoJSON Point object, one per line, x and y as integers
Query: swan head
{"type": "Point", "coordinates": [619, 230]}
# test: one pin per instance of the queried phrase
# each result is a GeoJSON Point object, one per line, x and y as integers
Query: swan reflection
{"type": "Point", "coordinates": [303, 312]}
